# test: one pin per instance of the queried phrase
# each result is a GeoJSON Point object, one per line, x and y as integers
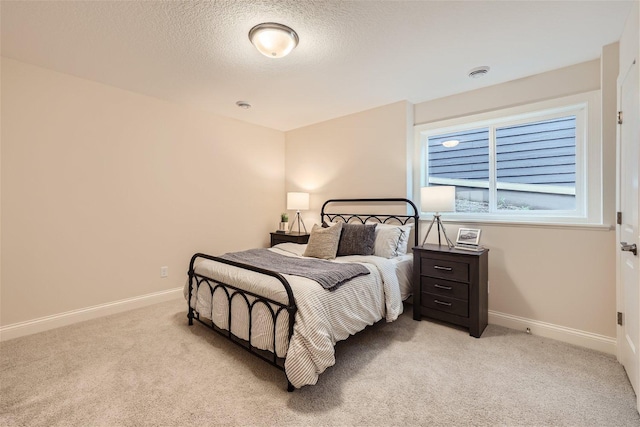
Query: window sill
{"type": "Point", "coordinates": [521, 224]}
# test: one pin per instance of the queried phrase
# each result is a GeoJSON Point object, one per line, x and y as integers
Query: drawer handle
{"type": "Point", "coordinates": [448, 304]}
{"type": "Point", "coordinates": [437, 267]}
{"type": "Point", "coordinates": [448, 288]}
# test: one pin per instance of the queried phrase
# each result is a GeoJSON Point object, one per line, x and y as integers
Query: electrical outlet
{"type": "Point", "coordinates": [164, 272]}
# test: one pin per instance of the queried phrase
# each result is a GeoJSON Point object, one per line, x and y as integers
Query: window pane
{"type": "Point", "coordinates": [465, 165]}
{"type": "Point", "coordinates": [536, 165]}
{"type": "Point", "coordinates": [469, 199]}
{"type": "Point", "coordinates": [534, 201]}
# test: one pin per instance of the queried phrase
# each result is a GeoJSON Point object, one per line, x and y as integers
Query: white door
{"type": "Point", "coordinates": [628, 228]}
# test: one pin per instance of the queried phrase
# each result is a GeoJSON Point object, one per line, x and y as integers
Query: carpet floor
{"type": "Point", "coordinates": [147, 367]}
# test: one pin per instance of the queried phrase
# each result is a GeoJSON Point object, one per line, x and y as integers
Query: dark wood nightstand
{"type": "Point", "coordinates": [451, 285]}
{"type": "Point", "coordinates": [289, 237]}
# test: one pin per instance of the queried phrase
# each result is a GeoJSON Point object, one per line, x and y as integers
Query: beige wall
{"type": "Point", "coordinates": [101, 187]}
{"type": "Point", "coordinates": [560, 276]}
{"type": "Point", "coordinates": [610, 65]}
{"type": "Point", "coordinates": [355, 156]}
{"type": "Point", "coordinates": [554, 84]}
{"type": "Point", "coordinates": [1, 62]}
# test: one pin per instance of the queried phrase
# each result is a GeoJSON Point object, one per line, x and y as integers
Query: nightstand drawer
{"type": "Point", "coordinates": [446, 304]}
{"type": "Point", "coordinates": [451, 270]}
{"type": "Point", "coordinates": [277, 238]}
{"type": "Point", "coordinates": [445, 287]}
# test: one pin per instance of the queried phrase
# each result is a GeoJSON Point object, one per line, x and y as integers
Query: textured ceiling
{"type": "Point", "coordinates": [352, 55]}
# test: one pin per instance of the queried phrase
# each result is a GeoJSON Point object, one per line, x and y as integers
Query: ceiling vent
{"type": "Point", "coordinates": [478, 72]}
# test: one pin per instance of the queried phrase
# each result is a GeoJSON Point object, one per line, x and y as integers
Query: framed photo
{"type": "Point", "coordinates": [468, 236]}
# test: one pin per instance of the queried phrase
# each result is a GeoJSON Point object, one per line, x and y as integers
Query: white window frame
{"type": "Point", "coordinates": [588, 189]}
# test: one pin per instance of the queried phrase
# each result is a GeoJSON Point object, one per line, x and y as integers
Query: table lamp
{"type": "Point", "coordinates": [438, 199]}
{"type": "Point", "coordinates": [297, 202]}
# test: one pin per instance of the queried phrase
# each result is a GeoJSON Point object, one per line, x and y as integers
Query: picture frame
{"type": "Point", "coordinates": [468, 236]}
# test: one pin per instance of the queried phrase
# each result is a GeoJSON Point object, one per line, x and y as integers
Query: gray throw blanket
{"type": "Point", "coordinates": [329, 274]}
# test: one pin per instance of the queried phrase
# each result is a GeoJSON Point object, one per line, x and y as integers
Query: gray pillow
{"type": "Point", "coordinates": [357, 239]}
{"type": "Point", "coordinates": [323, 242]}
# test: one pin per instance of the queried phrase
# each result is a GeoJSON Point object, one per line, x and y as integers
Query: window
{"type": "Point", "coordinates": [523, 164]}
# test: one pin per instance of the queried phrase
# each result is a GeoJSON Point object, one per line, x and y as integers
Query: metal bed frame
{"type": "Point", "coordinates": [231, 292]}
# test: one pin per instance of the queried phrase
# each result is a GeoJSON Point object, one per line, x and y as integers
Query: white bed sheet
{"type": "Point", "coordinates": [404, 270]}
{"type": "Point", "coordinates": [322, 319]}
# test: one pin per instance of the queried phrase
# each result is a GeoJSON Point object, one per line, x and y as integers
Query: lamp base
{"type": "Point", "coordinates": [436, 220]}
{"type": "Point", "coordinates": [298, 219]}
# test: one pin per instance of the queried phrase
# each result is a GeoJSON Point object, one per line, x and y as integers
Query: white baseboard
{"type": "Point", "coordinates": [560, 333]}
{"type": "Point", "coordinates": [41, 324]}
{"type": "Point", "coordinates": [543, 329]}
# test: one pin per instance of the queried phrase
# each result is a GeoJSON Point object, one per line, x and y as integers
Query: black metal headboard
{"type": "Point", "coordinates": [381, 218]}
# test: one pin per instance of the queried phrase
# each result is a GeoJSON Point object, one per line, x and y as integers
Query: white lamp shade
{"type": "Point", "coordinates": [298, 201]}
{"type": "Point", "coordinates": [273, 40]}
{"type": "Point", "coordinates": [438, 199]}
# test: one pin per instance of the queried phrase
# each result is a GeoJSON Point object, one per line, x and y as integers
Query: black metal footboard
{"type": "Point", "coordinates": [252, 300]}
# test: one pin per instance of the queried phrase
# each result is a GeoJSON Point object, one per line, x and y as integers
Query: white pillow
{"type": "Point", "coordinates": [391, 240]}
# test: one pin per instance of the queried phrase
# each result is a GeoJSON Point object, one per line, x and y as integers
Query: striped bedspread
{"type": "Point", "coordinates": [323, 317]}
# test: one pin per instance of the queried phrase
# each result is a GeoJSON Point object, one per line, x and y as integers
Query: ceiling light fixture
{"type": "Point", "coordinates": [243, 104]}
{"type": "Point", "coordinates": [479, 72]}
{"type": "Point", "coordinates": [451, 143]}
{"type": "Point", "coordinates": [273, 40]}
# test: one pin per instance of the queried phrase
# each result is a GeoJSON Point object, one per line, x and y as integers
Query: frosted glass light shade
{"type": "Point", "coordinates": [438, 199]}
{"type": "Point", "coordinates": [273, 40]}
{"type": "Point", "coordinates": [298, 201]}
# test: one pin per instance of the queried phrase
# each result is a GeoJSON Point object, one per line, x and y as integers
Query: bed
{"type": "Point", "coordinates": [260, 300]}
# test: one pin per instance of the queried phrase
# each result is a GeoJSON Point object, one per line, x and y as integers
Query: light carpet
{"type": "Point", "coordinates": [147, 367]}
